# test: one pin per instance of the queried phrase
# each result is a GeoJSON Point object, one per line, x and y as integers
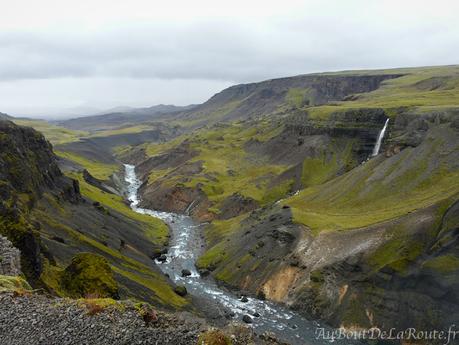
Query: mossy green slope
{"type": "Point", "coordinates": [227, 167]}
{"type": "Point", "coordinates": [154, 229]}
{"type": "Point", "coordinates": [382, 189]}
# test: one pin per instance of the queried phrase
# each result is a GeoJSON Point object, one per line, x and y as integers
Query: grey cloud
{"type": "Point", "coordinates": [222, 50]}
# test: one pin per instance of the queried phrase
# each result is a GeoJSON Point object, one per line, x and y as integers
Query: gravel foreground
{"type": "Point", "coordinates": [37, 319]}
{"type": "Point", "coordinates": [41, 320]}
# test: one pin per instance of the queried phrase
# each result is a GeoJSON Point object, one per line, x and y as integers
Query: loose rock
{"type": "Point", "coordinates": [181, 290]}
{"type": "Point", "coordinates": [186, 273]}
{"type": "Point", "coordinates": [247, 319]}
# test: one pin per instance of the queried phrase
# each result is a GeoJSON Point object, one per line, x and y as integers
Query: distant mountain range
{"type": "Point", "coordinates": [120, 116]}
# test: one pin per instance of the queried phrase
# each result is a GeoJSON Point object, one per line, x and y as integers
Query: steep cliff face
{"type": "Point", "coordinates": [27, 169]}
{"type": "Point", "coordinates": [27, 161]}
{"type": "Point", "coordinates": [370, 288]}
{"type": "Point", "coordinates": [52, 218]}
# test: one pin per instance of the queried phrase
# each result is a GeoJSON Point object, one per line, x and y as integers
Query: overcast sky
{"type": "Point", "coordinates": [60, 56]}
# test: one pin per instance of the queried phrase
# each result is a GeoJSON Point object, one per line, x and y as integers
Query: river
{"type": "Point", "coordinates": [185, 247]}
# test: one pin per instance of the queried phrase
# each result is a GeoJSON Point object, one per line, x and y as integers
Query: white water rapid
{"type": "Point", "coordinates": [185, 247]}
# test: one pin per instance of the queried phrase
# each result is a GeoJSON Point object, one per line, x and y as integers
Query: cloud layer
{"type": "Point", "coordinates": [187, 41]}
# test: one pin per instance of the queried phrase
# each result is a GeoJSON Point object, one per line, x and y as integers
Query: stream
{"type": "Point", "coordinates": [185, 247]}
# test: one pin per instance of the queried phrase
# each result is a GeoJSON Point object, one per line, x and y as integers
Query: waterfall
{"type": "Point", "coordinates": [380, 138]}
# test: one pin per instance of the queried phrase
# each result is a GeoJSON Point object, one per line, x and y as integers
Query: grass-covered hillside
{"type": "Point", "coordinates": [299, 210]}
{"type": "Point", "coordinates": [302, 213]}
{"type": "Point", "coordinates": [420, 90]}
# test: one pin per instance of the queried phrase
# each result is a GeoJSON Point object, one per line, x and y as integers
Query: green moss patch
{"type": "Point", "coordinates": [444, 264]}
{"type": "Point", "coordinates": [99, 170]}
{"type": "Point", "coordinates": [89, 274]}
{"type": "Point", "coordinates": [13, 283]}
{"type": "Point", "coordinates": [300, 97]}
{"type": "Point", "coordinates": [213, 257]}
{"type": "Point", "coordinates": [55, 134]}
{"type": "Point", "coordinates": [397, 253]}
{"type": "Point", "coordinates": [228, 168]}
{"type": "Point", "coordinates": [162, 291]}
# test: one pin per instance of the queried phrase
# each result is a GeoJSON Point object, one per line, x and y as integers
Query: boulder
{"type": "Point", "coordinates": [186, 273]}
{"type": "Point", "coordinates": [180, 290]}
{"type": "Point", "coordinates": [204, 272]}
{"type": "Point", "coordinates": [247, 319]}
{"type": "Point", "coordinates": [162, 258]}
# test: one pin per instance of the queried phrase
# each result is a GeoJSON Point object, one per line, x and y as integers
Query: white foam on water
{"type": "Point", "coordinates": [182, 254]}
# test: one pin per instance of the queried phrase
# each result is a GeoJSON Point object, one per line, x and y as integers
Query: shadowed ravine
{"type": "Point", "coordinates": [185, 246]}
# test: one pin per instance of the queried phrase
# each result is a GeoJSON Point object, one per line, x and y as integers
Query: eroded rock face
{"type": "Point", "coordinates": [168, 160]}
{"type": "Point", "coordinates": [235, 205]}
{"type": "Point", "coordinates": [26, 159]}
{"type": "Point", "coordinates": [97, 183]}
{"type": "Point", "coordinates": [305, 138]}
{"type": "Point", "coordinates": [10, 258]}
{"type": "Point", "coordinates": [361, 291]}
{"type": "Point", "coordinates": [264, 97]}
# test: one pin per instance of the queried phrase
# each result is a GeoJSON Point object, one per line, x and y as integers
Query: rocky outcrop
{"type": "Point", "coordinates": [177, 199]}
{"type": "Point", "coordinates": [98, 183]}
{"type": "Point", "coordinates": [4, 116]}
{"type": "Point", "coordinates": [319, 150]}
{"type": "Point", "coordinates": [32, 319]}
{"type": "Point", "coordinates": [263, 243]}
{"type": "Point", "coordinates": [169, 192]}
{"type": "Point", "coordinates": [235, 205]}
{"type": "Point", "coordinates": [10, 258]}
{"type": "Point", "coordinates": [312, 138]}
{"type": "Point", "coordinates": [26, 159]}
{"type": "Point", "coordinates": [28, 169]}
{"type": "Point", "coordinates": [170, 159]}
{"type": "Point", "coordinates": [349, 292]}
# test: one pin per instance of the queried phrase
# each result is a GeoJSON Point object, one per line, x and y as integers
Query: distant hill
{"type": "Point", "coordinates": [322, 94]}
{"type": "Point", "coordinates": [121, 116]}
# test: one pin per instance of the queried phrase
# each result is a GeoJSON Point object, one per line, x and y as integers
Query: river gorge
{"type": "Point", "coordinates": [185, 246]}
